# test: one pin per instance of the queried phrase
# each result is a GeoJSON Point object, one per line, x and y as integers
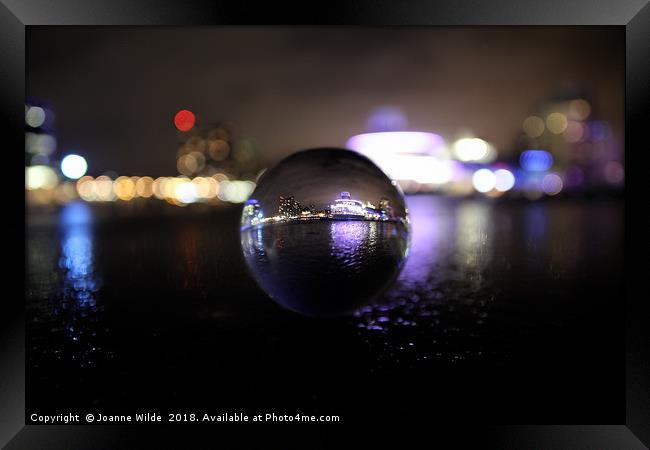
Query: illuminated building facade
{"type": "Point", "coordinates": [289, 208]}
{"type": "Point", "coordinates": [345, 206]}
{"type": "Point", "coordinates": [385, 209]}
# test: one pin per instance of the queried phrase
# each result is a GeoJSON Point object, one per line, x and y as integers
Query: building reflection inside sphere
{"type": "Point", "coordinates": [325, 232]}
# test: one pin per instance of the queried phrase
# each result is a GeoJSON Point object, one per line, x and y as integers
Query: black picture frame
{"type": "Point", "coordinates": [17, 15]}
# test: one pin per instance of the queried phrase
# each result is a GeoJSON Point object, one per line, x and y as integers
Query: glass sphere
{"type": "Point", "coordinates": [325, 232]}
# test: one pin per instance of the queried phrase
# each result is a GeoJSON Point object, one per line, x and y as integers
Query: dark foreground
{"type": "Point", "coordinates": [504, 313]}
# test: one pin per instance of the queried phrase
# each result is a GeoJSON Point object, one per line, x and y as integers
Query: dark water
{"type": "Point", "coordinates": [325, 267]}
{"type": "Point", "coordinates": [506, 312]}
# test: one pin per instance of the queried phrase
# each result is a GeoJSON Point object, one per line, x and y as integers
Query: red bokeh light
{"type": "Point", "coordinates": [184, 120]}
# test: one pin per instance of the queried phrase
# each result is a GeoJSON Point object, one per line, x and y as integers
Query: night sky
{"type": "Point", "coordinates": [115, 90]}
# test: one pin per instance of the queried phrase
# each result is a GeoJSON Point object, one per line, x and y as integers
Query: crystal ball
{"type": "Point", "coordinates": [325, 232]}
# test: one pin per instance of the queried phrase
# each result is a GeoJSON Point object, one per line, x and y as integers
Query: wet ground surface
{"type": "Point", "coordinates": [504, 312]}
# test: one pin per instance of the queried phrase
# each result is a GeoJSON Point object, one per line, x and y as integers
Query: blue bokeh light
{"type": "Point", "coordinates": [536, 160]}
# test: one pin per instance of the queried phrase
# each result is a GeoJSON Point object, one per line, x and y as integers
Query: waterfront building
{"type": "Point", "coordinates": [289, 208]}
{"type": "Point", "coordinates": [346, 206]}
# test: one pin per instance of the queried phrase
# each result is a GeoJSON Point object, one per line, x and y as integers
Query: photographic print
{"type": "Point", "coordinates": [338, 225]}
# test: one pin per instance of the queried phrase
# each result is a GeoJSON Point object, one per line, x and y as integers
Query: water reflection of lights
{"type": "Point", "coordinates": [77, 255]}
{"type": "Point", "coordinates": [426, 248]}
{"type": "Point", "coordinates": [348, 238]}
{"type": "Point", "coordinates": [441, 231]}
{"type": "Point", "coordinates": [474, 236]}
{"type": "Point", "coordinates": [81, 282]}
{"type": "Point", "coordinates": [536, 231]}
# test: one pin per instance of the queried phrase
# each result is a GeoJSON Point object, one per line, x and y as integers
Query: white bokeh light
{"type": "Point", "coordinates": [471, 149]}
{"type": "Point", "coordinates": [35, 116]}
{"type": "Point", "coordinates": [504, 180]}
{"type": "Point", "coordinates": [74, 166]}
{"type": "Point", "coordinates": [186, 192]}
{"type": "Point", "coordinates": [484, 180]}
{"type": "Point", "coordinates": [40, 177]}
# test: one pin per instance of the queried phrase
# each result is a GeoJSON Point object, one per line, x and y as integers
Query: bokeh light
{"type": "Point", "coordinates": [35, 116]}
{"type": "Point", "coordinates": [74, 166]}
{"type": "Point", "coordinates": [504, 180]}
{"type": "Point", "coordinates": [190, 163]}
{"type": "Point", "coordinates": [218, 149]}
{"type": "Point", "coordinates": [40, 177]}
{"type": "Point", "coordinates": [552, 184]}
{"type": "Point", "coordinates": [411, 157]}
{"type": "Point", "coordinates": [419, 168]}
{"type": "Point", "coordinates": [556, 122]}
{"type": "Point", "coordinates": [484, 180]}
{"type": "Point", "coordinates": [104, 189]}
{"type": "Point", "coordinates": [471, 149]}
{"type": "Point", "coordinates": [574, 132]}
{"type": "Point", "coordinates": [40, 144]}
{"type": "Point", "coordinates": [374, 144]}
{"type": "Point", "coordinates": [144, 187]}
{"type": "Point", "coordinates": [185, 192]}
{"type": "Point", "coordinates": [184, 120]}
{"type": "Point", "coordinates": [614, 172]}
{"type": "Point", "coordinates": [124, 188]}
{"type": "Point", "coordinates": [536, 160]}
{"type": "Point", "coordinates": [158, 188]}
{"type": "Point", "coordinates": [86, 188]}
{"type": "Point", "coordinates": [533, 126]}
{"type": "Point", "coordinates": [235, 191]}
{"type": "Point", "coordinates": [579, 109]}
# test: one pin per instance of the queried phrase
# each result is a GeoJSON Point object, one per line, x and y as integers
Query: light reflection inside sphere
{"type": "Point", "coordinates": [325, 232]}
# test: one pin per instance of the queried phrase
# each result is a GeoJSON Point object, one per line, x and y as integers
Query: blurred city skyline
{"type": "Point", "coordinates": [115, 90]}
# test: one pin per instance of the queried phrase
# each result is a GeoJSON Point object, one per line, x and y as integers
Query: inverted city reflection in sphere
{"type": "Point", "coordinates": [325, 232]}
